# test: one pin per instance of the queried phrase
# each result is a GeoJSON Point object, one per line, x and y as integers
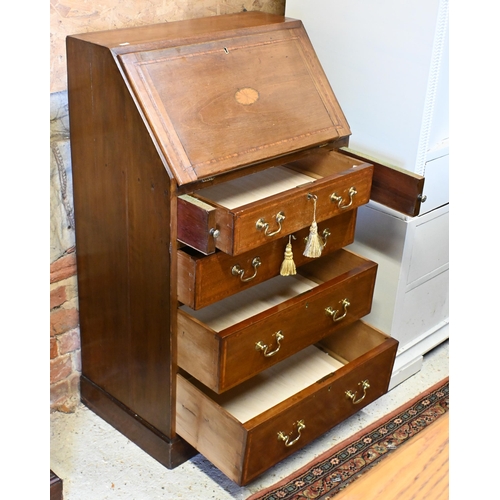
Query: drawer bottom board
{"type": "Point", "coordinates": [274, 385]}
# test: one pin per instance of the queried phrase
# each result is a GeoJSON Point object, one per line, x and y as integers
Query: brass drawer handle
{"type": "Point", "coordinates": [352, 396]}
{"type": "Point", "coordinates": [237, 270]}
{"type": "Point", "coordinates": [285, 437]}
{"type": "Point", "coordinates": [326, 234]}
{"type": "Point", "coordinates": [259, 346]}
{"type": "Point", "coordinates": [261, 224]}
{"type": "Point", "coordinates": [336, 198]}
{"type": "Point", "coordinates": [333, 312]}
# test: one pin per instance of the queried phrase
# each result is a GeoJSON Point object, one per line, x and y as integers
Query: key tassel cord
{"type": "Point", "coordinates": [288, 265]}
{"type": "Point", "coordinates": [314, 243]}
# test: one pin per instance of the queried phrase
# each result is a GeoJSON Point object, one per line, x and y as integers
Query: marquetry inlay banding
{"type": "Point", "coordinates": [246, 96]}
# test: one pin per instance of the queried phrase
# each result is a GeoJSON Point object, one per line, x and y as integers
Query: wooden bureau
{"type": "Point", "coordinates": [200, 150]}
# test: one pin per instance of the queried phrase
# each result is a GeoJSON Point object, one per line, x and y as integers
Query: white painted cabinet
{"type": "Point", "coordinates": [388, 63]}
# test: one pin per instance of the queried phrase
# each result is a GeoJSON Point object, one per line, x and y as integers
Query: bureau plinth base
{"type": "Point", "coordinates": [169, 452]}
{"type": "Point", "coordinates": [56, 487]}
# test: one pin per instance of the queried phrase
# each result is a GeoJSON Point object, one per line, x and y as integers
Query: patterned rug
{"type": "Point", "coordinates": [332, 471]}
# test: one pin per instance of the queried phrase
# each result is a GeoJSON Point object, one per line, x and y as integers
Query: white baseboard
{"type": "Point", "coordinates": [410, 361]}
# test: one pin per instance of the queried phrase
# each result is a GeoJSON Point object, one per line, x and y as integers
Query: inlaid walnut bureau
{"type": "Point", "coordinates": [200, 150]}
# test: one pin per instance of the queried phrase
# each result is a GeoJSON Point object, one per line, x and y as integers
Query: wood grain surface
{"type": "Point", "coordinates": [419, 470]}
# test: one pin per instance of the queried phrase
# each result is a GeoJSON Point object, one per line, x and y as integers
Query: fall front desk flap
{"type": "Point", "coordinates": [236, 98]}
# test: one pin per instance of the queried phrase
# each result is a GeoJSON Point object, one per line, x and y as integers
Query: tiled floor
{"type": "Point", "coordinates": [96, 462]}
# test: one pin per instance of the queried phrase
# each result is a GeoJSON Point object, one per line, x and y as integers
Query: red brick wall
{"type": "Point", "coordinates": [65, 366]}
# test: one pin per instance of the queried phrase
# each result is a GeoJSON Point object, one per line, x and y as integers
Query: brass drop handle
{"type": "Point", "coordinates": [260, 346]}
{"type": "Point", "coordinates": [261, 224]}
{"type": "Point", "coordinates": [237, 270]}
{"type": "Point", "coordinates": [285, 437]}
{"type": "Point", "coordinates": [365, 385]}
{"type": "Point", "coordinates": [333, 312]}
{"type": "Point", "coordinates": [339, 200]}
{"type": "Point", "coordinates": [326, 234]}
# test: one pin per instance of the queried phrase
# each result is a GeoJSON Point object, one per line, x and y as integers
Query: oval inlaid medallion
{"type": "Point", "coordinates": [246, 96]}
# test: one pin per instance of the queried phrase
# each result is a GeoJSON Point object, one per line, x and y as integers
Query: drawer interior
{"type": "Point", "coordinates": [255, 187]}
{"type": "Point", "coordinates": [251, 302]}
{"type": "Point", "coordinates": [294, 374]}
{"type": "Point", "coordinates": [261, 185]}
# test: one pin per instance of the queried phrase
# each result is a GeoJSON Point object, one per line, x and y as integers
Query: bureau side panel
{"type": "Point", "coordinates": [123, 230]}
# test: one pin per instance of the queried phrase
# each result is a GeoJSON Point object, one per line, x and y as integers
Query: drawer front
{"type": "Point", "coordinates": [252, 225]}
{"type": "Point", "coordinates": [291, 424]}
{"type": "Point", "coordinates": [320, 409]}
{"type": "Point", "coordinates": [223, 359]}
{"type": "Point", "coordinates": [204, 280]}
{"type": "Point", "coordinates": [298, 210]}
{"type": "Point", "coordinates": [300, 325]}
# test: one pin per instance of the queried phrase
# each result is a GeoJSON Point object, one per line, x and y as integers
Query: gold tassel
{"type": "Point", "coordinates": [288, 265]}
{"type": "Point", "coordinates": [314, 243]}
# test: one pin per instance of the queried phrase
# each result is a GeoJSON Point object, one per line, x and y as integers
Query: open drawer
{"type": "Point", "coordinates": [231, 341]}
{"type": "Point", "coordinates": [250, 211]}
{"type": "Point", "coordinates": [205, 279]}
{"type": "Point", "coordinates": [255, 425]}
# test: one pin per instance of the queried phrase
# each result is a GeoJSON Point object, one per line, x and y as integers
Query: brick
{"type": "Point", "coordinates": [54, 351]}
{"type": "Point", "coordinates": [63, 320]}
{"type": "Point", "coordinates": [60, 368]}
{"type": "Point", "coordinates": [57, 297]}
{"type": "Point", "coordinates": [69, 341]}
{"type": "Point", "coordinates": [58, 393]}
{"type": "Point", "coordinates": [63, 268]}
